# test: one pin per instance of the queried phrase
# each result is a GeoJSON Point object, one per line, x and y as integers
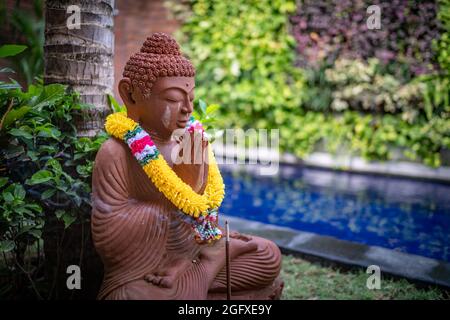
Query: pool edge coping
{"type": "Point", "coordinates": [346, 162]}
{"type": "Point", "coordinates": [353, 254]}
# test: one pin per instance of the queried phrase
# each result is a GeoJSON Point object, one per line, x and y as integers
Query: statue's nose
{"type": "Point", "coordinates": [188, 106]}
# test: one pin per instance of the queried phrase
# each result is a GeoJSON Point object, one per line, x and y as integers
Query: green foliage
{"type": "Point", "coordinates": [206, 114]}
{"type": "Point", "coordinates": [437, 92]}
{"type": "Point", "coordinates": [114, 104]}
{"type": "Point", "coordinates": [21, 221]}
{"type": "Point", "coordinates": [442, 45]}
{"type": "Point", "coordinates": [370, 136]}
{"type": "Point", "coordinates": [363, 86]}
{"type": "Point", "coordinates": [244, 55]}
{"type": "Point", "coordinates": [28, 27]}
{"type": "Point", "coordinates": [45, 169]}
{"type": "Point", "coordinates": [318, 91]}
{"type": "Point", "coordinates": [8, 50]}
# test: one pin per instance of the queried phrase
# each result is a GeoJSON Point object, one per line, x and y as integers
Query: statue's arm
{"type": "Point", "coordinates": [123, 228]}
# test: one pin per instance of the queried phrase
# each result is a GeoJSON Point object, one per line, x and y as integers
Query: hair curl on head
{"type": "Point", "coordinates": [159, 56]}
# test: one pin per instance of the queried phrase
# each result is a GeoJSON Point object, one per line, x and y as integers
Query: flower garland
{"type": "Point", "coordinates": [202, 208]}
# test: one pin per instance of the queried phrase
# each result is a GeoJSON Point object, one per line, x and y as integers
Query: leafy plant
{"type": "Point", "coordinates": [328, 30]}
{"type": "Point", "coordinates": [27, 28]}
{"type": "Point", "coordinates": [243, 54]}
{"type": "Point", "coordinates": [45, 171]}
{"type": "Point", "coordinates": [9, 50]}
{"type": "Point", "coordinates": [362, 86]}
{"type": "Point", "coordinates": [206, 115]}
{"type": "Point", "coordinates": [21, 222]}
{"type": "Point", "coordinates": [114, 104]}
{"type": "Point", "coordinates": [356, 90]}
{"type": "Point", "coordinates": [437, 92]}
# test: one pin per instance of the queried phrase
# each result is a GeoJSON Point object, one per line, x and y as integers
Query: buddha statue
{"type": "Point", "coordinates": [149, 247]}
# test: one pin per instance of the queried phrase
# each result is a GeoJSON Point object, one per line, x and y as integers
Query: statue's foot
{"type": "Point", "coordinates": [237, 247]}
{"type": "Point", "coordinates": [240, 236]}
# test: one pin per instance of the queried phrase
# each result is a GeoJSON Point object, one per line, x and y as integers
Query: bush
{"type": "Point", "coordinates": [45, 175]}
{"type": "Point", "coordinates": [361, 86]}
{"type": "Point", "coordinates": [244, 56]}
{"type": "Point", "coordinates": [353, 97]}
{"type": "Point", "coordinates": [328, 30]}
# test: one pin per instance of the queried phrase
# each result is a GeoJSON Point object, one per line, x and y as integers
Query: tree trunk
{"type": "Point", "coordinates": [81, 57]}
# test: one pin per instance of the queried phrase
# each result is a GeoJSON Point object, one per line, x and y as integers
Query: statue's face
{"type": "Point", "coordinates": [169, 106]}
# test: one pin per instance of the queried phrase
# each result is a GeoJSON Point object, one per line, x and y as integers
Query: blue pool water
{"type": "Point", "coordinates": [401, 214]}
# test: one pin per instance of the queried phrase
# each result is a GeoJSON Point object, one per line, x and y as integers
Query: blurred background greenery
{"type": "Point", "coordinates": [315, 71]}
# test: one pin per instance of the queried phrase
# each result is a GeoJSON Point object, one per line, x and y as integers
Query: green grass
{"type": "Point", "coordinates": [306, 280]}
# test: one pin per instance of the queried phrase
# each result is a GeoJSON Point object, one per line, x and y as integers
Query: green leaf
{"type": "Point", "coordinates": [66, 217]}
{"type": "Point", "coordinates": [20, 133]}
{"type": "Point", "coordinates": [59, 213]}
{"type": "Point", "coordinates": [3, 181]}
{"type": "Point", "coordinates": [7, 196]}
{"type": "Point", "coordinates": [41, 177]}
{"type": "Point", "coordinates": [7, 245]}
{"type": "Point", "coordinates": [19, 192]}
{"type": "Point", "coordinates": [54, 164]}
{"type": "Point", "coordinates": [9, 50]}
{"type": "Point", "coordinates": [48, 194]}
{"type": "Point", "coordinates": [15, 114]}
{"type": "Point", "coordinates": [33, 155]}
{"type": "Point", "coordinates": [115, 106]}
{"type": "Point", "coordinates": [47, 149]}
{"type": "Point", "coordinates": [196, 115]}
{"type": "Point", "coordinates": [202, 106]}
{"type": "Point", "coordinates": [36, 233]}
{"type": "Point", "coordinates": [48, 132]}
{"type": "Point", "coordinates": [25, 229]}
{"type": "Point", "coordinates": [50, 94]}
{"type": "Point", "coordinates": [212, 108]}
{"type": "Point", "coordinates": [22, 210]}
{"type": "Point", "coordinates": [34, 207]}
{"type": "Point", "coordinates": [68, 220]}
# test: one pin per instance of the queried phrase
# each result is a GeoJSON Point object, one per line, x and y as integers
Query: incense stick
{"type": "Point", "coordinates": [227, 253]}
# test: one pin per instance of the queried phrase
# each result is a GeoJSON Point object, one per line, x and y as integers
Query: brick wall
{"type": "Point", "coordinates": [135, 21]}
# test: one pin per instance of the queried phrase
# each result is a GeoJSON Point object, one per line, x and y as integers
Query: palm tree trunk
{"type": "Point", "coordinates": [82, 58]}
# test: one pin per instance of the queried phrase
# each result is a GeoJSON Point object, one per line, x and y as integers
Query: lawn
{"type": "Point", "coordinates": [306, 280]}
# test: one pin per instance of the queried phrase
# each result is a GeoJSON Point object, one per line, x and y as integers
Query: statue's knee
{"type": "Point", "coordinates": [269, 246]}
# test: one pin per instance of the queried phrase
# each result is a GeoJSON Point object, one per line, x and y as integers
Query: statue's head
{"type": "Point", "coordinates": [158, 85]}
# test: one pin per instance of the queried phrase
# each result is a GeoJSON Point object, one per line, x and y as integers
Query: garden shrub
{"type": "Point", "coordinates": [366, 93]}
{"type": "Point", "coordinates": [361, 86]}
{"type": "Point", "coordinates": [25, 27]}
{"type": "Point", "coordinates": [45, 184]}
{"type": "Point", "coordinates": [327, 30]}
{"type": "Point", "coordinates": [244, 55]}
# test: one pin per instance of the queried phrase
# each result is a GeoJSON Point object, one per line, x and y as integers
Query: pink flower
{"type": "Point", "coordinates": [139, 145]}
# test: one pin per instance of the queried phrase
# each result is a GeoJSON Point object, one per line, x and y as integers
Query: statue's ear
{"type": "Point", "coordinates": [126, 93]}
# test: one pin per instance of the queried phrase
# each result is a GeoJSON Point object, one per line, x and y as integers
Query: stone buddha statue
{"type": "Point", "coordinates": [147, 245]}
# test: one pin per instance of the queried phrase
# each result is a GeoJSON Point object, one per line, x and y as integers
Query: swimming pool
{"type": "Point", "coordinates": [401, 214]}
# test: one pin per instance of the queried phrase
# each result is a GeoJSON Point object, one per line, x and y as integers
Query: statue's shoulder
{"type": "Point", "coordinates": [112, 149]}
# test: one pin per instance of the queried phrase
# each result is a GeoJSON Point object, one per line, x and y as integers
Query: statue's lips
{"type": "Point", "coordinates": [182, 123]}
